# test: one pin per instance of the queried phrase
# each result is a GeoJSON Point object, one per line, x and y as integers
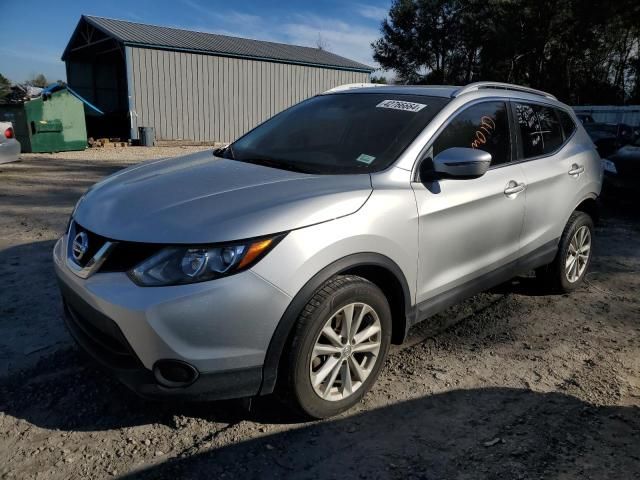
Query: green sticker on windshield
{"type": "Point", "coordinates": [364, 158]}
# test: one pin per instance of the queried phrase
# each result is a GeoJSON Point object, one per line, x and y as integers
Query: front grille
{"type": "Point", "coordinates": [122, 258]}
{"type": "Point", "coordinates": [126, 255]}
{"type": "Point", "coordinates": [95, 243]}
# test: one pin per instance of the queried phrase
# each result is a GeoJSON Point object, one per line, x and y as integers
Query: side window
{"type": "Point", "coordinates": [529, 131]}
{"type": "Point", "coordinates": [550, 128]}
{"type": "Point", "coordinates": [568, 125]}
{"type": "Point", "coordinates": [540, 129]}
{"type": "Point", "coordinates": [484, 126]}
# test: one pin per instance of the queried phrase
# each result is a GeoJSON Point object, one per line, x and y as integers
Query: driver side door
{"type": "Point", "coordinates": [469, 229]}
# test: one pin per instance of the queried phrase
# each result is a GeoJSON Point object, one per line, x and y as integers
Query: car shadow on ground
{"type": "Point", "coordinates": [476, 433]}
{"type": "Point", "coordinates": [30, 307]}
{"type": "Point", "coordinates": [68, 391]}
{"type": "Point", "coordinates": [522, 285]}
{"type": "Point", "coordinates": [480, 433]}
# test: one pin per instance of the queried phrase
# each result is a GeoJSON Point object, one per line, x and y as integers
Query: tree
{"type": "Point", "coordinates": [5, 87]}
{"type": "Point", "coordinates": [582, 54]}
{"type": "Point", "coordinates": [38, 81]}
{"type": "Point", "coordinates": [379, 79]}
{"type": "Point", "coordinates": [322, 43]}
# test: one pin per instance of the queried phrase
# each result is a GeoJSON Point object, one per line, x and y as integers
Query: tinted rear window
{"type": "Point", "coordinates": [550, 127]}
{"type": "Point", "coordinates": [339, 133]}
{"type": "Point", "coordinates": [568, 125]}
{"type": "Point", "coordinates": [529, 131]}
{"type": "Point", "coordinates": [540, 129]}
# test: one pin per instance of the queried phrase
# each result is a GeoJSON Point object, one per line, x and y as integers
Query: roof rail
{"type": "Point", "coordinates": [472, 87]}
{"type": "Point", "coordinates": [351, 86]}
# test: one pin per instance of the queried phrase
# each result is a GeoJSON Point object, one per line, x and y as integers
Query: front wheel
{"type": "Point", "coordinates": [339, 346]}
{"type": "Point", "coordinates": [569, 268]}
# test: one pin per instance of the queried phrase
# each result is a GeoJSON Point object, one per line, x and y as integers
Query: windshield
{"type": "Point", "coordinates": [339, 133]}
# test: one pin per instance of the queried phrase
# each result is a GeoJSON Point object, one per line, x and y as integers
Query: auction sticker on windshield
{"type": "Point", "coordinates": [364, 158]}
{"type": "Point", "coordinates": [401, 105]}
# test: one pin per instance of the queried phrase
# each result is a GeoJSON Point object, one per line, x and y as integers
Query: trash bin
{"type": "Point", "coordinates": [55, 123]}
{"type": "Point", "coordinates": [147, 136]}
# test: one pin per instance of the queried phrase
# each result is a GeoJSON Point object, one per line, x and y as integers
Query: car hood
{"type": "Point", "coordinates": [200, 198]}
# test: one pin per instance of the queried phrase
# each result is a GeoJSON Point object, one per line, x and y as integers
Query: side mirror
{"type": "Point", "coordinates": [220, 151]}
{"type": "Point", "coordinates": [458, 162]}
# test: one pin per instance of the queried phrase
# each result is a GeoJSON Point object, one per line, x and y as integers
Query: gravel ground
{"type": "Point", "coordinates": [524, 385]}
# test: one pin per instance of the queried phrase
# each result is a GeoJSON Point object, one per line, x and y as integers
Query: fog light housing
{"type": "Point", "coordinates": [174, 373]}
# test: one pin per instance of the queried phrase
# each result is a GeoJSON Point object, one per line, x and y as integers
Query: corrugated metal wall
{"type": "Point", "coordinates": [612, 114]}
{"type": "Point", "coordinates": [205, 98]}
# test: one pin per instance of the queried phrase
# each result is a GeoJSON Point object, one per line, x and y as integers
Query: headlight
{"type": "Point", "coordinates": [182, 265]}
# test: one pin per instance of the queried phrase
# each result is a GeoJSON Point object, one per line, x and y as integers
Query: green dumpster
{"type": "Point", "coordinates": [56, 123]}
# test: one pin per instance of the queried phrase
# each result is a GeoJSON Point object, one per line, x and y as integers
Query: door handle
{"type": "Point", "coordinates": [576, 170]}
{"type": "Point", "coordinates": [514, 188]}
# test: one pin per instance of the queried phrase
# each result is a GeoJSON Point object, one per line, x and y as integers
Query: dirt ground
{"type": "Point", "coordinates": [524, 386]}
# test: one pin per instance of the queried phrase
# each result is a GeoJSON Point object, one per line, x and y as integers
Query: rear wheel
{"type": "Point", "coordinates": [339, 346]}
{"type": "Point", "coordinates": [567, 271]}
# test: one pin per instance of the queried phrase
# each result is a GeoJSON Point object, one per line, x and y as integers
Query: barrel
{"type": "Point", "coordinates": [147, 136]}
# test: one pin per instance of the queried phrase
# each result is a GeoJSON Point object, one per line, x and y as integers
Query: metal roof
{"type": "Point", "coordinates": [153, 36]}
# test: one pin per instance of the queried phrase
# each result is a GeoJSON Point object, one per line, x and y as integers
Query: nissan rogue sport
{"type": "Point", "coordinates": [292, 258]}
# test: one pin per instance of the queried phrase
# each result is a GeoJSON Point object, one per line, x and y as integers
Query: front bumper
{"type": "Point", "coordinates": [222, 328]}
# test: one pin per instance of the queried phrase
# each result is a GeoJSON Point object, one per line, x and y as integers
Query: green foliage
{"type": "Point", "coordinates": [582, 52]}
{"type": "Point", "coordinates": [5, 87]}
{"type": "Point", "coordinates": [379, 79]}
{"type": "Point", "coordinates": [38, 81]}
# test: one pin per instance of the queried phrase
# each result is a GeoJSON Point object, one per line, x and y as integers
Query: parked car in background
{"type": "Point", "coordinates": [609, 137]}
{"type": "Point", "coordinates": [622, 168]}
{"type": "Point", "coordinates": [585, 118]}
{"type": "Point", "coordinates": [9, 146]}
{"type": "Point", "coordinates": [297, 254]}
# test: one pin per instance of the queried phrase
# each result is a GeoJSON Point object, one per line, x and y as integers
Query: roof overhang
{"type": "Point", "coordinates": [84, 37]}
{"type": "Point", "coordinates": [87, 37]}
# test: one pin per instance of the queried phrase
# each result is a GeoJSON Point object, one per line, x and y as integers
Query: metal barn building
{"type": "Point", "coordinates": [192, 86]}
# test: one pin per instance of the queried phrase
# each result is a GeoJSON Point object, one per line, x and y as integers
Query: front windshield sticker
{"type": "Point", "coordinates": [401, 105]}
{"type": "Point", "coordinates": [364, 158]}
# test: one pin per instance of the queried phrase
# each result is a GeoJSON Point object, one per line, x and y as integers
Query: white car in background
{"type": "Point", "coordinates": [9, 146]}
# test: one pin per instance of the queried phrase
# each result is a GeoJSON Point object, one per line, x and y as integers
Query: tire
{"type": "Point", "coordinates": [305, 364]}
{"type": "Point", "coordinates": [555, 277]}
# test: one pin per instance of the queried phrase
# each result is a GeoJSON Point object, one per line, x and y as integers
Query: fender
{"type": "Point", "coordinates": [290, 316]}
{"type": "Point", "coordinates": [594, 212]}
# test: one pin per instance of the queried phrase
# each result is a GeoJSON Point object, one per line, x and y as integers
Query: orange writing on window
{"type": "Point", "coordinates": [484, 131]}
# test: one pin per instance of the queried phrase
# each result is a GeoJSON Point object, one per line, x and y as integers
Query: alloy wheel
{"type": "Point", "coordinates": [345, 351]}
{"type": "Point", "coordinates": [578, 254]}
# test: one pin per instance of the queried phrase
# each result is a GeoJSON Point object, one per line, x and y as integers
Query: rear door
{"type": "Point", "coordinates": [469, 228]}
{"type": "Point", "coordinates": [554, 173]}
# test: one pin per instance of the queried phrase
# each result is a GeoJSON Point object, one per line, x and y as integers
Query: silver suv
{"type": "Point", "coordinates": [292, 258]}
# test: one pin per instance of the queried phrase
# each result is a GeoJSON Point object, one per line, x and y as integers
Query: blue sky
{"type": "Point", "coordinates": [33, 34]}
